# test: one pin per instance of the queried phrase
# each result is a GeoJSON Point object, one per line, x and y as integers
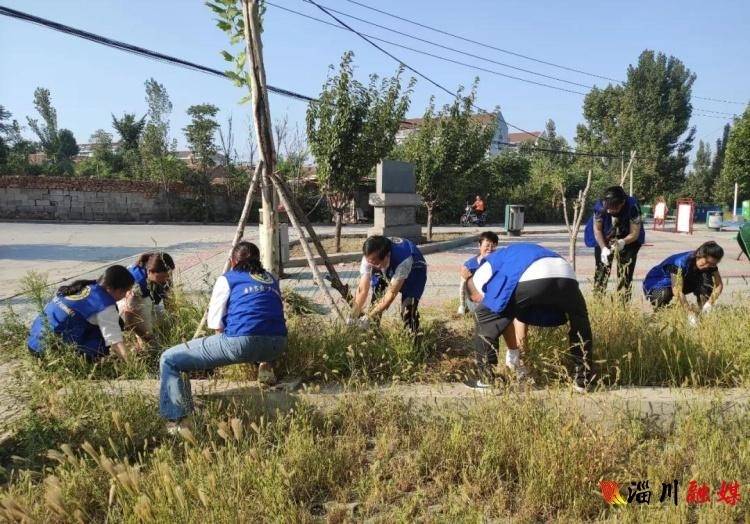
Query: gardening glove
{"type": "Point", "coordinates": [692, 319]}
{"type": "Point", "coordinates": [618, 245]}
{"type": "Point", "coordinates": [606, 252]}
{"type": "Point", "coordinates": [351, 321]}
{"type": "Point", "coordinates": [363, 322]}
{"type": "Point", "coordinates": [707, 307]}
{"type": "Point", "coordinates": [461, 309]}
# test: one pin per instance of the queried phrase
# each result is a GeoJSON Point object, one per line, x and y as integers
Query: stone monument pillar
{"type": "Point", "coordinates": [395, 201]}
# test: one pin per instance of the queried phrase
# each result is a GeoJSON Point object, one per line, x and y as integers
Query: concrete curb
{"type": "Point", "coordinates": [426, 249]}
{"type": "Point", "coordinates": [341, 258]}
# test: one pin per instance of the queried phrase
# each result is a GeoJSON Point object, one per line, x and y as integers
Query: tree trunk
{"type": "Point", "coordinates": [429, 223]}
{"type": "Point", "coordinates": [572, 249]}
{"type": "Point", "coordinates": [339, 219]}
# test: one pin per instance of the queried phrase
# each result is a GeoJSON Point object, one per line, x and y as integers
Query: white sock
{"type": "Point", "coordinates": [512, 357]}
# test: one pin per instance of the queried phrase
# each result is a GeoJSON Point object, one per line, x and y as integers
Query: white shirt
{"type": "Point", "coordinates": [401, 273]}
{"type": "Point", "coordinates": [549, 267]}
{"type": "Point", "coordinates": [108, 321]}
{"type": "Point", "coordinates": [217, 307]}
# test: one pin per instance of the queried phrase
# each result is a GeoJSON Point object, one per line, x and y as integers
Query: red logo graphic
{"type": "Point", "coordinates": [611, 492]}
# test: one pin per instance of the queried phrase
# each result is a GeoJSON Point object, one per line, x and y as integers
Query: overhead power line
{"type": "Point", "coordinates": [439, 57]}
{"type": "Point", "coordinates": [154, 55]}
{"type": "Point", "coordinates": [451, 60]}
{"type": "Point", "coordinates": [122, 46]}
{"type": "Point", "coordinates": [514, 53]}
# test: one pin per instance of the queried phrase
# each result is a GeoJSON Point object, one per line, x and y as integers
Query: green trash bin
{"type": "Point", "coordinates": [746, 210]}
{"type": "Point", "coordinates": [646, 210]}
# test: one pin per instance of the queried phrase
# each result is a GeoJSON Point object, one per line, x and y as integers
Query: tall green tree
{"type": "Point", "coordinates": [699, 183]}
{"type": "Point", "coordinates": [649, 113]}
{"type": "Point", "coordinates": [129, 128]}
{"type": "Point", "coordinates": [736, 167]}
{"type": "Point", "coordinates": [721, 148]}
{"type": "Point", "coordinates": [14, 149]}
{"type": "Point", "coordinates": [46, 130]}
{"type": "Point", "coordinates": [447, 149]}
{"type": "Point", "coordinates": [155, 138]}
{"type": "Point", "coordinates": [350, 128]}
{"type": "Point", "coordinates": [200, 134]}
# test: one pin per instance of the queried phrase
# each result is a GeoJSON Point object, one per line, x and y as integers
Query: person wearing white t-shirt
{"type": "Point", "coordinates": [535, 285]}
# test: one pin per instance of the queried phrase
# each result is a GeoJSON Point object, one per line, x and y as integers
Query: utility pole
{"type": "Point", "coordinates": [269, 228]}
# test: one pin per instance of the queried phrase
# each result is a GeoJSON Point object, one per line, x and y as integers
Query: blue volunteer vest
{"type": "Point", "coordinates": [508, 265]}
{"type": "Point", "coordinates": [623, 216]}
{"type": "Point", "coordinates": [254, 306]}
{"type": "Point", "coordinates": [140, 274]}
{"type": "Point", "coordinates": [659, 276]}
{"type": "Point", "coordinates": [473, 264]}
{"type": "Point", "coordinates": [401, 249]}
{"type": "Point", "coordinates": [66, 317]}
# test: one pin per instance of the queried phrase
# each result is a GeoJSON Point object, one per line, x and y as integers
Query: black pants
{"type": "Point", "coordinates": [702, 286]}
{"type": "Point", "coordinates": [561, 294]}
{"type": "Point", "coordinates": [625, 269]}
{"type": "Point", "coordinates": [409, 305]}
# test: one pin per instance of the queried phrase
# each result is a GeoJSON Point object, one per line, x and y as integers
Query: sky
{"type": "Point", "coordinates": [89, 82]}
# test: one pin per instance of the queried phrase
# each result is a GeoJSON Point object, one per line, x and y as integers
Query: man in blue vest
{"type": "Point", "coordinates": [681, 274]}
{"type": "Point", "coordinates": [403, 270]}
{"type": "Point", "coordinates": [537, 286]}
{"type": "Point", "coordinates": [615, 231]}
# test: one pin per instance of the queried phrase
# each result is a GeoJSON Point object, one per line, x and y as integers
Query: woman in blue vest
{"type": "Point", "coordinates": [248, 315]}
{"type": "Point", "coordinates": [693, 272]}
{"type": "Point", "coordinates": [84, 313]}
{"type": "Point", "coordinates": [537, 286]}
{"type": "Point", "coordinates": [488, 241]}
{"type": "Point", "coordinates": [152, 273]}
{"type": "Point", "coordinates": [403, 270]}
{"type": "Point", "coordinates": [615, 230]}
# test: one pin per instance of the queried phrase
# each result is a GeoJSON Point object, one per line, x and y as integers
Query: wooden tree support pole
{"type": "Point", "coordinates": [238, 234]}
{"type": "Point", "coordinates": [336, 282]}
{"type": "Point", "coordinates": [291, 211]}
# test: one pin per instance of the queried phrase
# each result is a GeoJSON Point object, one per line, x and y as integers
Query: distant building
{"type": "Point", "coordinates": [516, 139]}
{"type": "Point", "coordinates": [499, 140]}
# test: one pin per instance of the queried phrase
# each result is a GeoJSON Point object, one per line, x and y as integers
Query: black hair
{"type": "Point", "coordinates": [614, 196]}
{"type": "Point", "coordinates": [710, 249]}
{"type": "Point", "coordinates": [246, 257]}
{"type": "Point", "coordinates": [114, 277]}
{"type": "Point", "coordinates": [490, 236]}
{"type": "Point", "coordinates": [156, 262]}
{"type": "Point", "coordinates": [377, 244]}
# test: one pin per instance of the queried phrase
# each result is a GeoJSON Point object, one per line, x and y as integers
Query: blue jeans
{"type": "Point", "coordinates": [175, 398]}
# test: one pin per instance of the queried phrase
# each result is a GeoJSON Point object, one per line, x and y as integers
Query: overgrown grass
{"type": "Point", "coordinates": [89, 457]}
{"type": "Point", "coordinates": [631, 346]}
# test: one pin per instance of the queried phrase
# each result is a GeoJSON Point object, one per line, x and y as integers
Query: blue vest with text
{"type": "Point", "coordinates": [623, 217]}
{"type": "Point", "coordinates": [660, 277]}
{"type": "Point", "coordinates": [66, 317]}
{"type": "Point", "coordinates": [141, 278]}
{"type": "Point", "coordinates": [254, 306]}
{"type": "Point", "coordinates": [401, 249]}
{"type": "Point", "coordinates": [508, 265]}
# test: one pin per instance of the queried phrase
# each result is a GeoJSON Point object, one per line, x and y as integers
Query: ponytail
{"type": "Point", "coordinates": [246, 257]}
{"type": "Point", "coordinates": [115, 277]}
{"type": "Point", "coordinates": [74, 288]}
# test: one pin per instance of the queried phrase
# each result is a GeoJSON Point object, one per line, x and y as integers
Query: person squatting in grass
{"type": "Point", "coordinates": [537, 286]}
{"type": "Point", "coordinates": [615, 230]}
{"type": "Point", "coordinates": [152, 273]}
{"type": "Point", "coordinates": [390, 266]}
{"type": "Point", "coordinates": [247, 313]}
{"type": "Point", "coordinates": [693, 272]}
{"type": "Point", "coordinates": [84, 313]}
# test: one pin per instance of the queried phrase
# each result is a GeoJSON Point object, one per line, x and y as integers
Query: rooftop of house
{"type": "Point", "coordinates": [517, 138]}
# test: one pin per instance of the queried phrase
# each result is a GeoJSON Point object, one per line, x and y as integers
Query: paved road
{"type": "Point", "coordinates": [68, 250]}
